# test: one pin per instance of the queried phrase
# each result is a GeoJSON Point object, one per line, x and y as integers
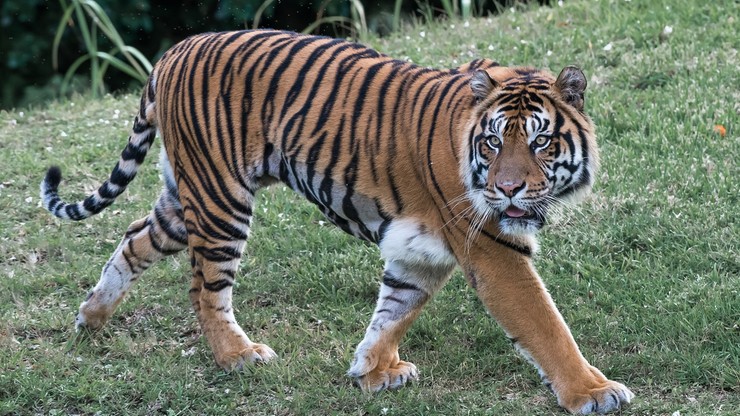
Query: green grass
{"type": "Point", "coordinates": [647, 272]}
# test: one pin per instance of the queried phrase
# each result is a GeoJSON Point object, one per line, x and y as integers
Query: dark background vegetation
{"type": "Point", "coordinates": [28, 28]}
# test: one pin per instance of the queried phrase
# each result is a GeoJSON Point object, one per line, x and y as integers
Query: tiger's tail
{"type": "Point", "coordinates": [139, 142]}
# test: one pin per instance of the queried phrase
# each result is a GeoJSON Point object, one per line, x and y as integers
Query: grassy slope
{"type": "Point", "coordinates": [646, 273]}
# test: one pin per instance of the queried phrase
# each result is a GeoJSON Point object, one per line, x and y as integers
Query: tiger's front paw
{"type": "Point", "coordinates": [251, 353]}
{"type": "Point", "coordinates": [602, 396]}
{"type": "Point", "coordinates": [391, 378]}
{"type": "Point", "coordinates": [92, 315]}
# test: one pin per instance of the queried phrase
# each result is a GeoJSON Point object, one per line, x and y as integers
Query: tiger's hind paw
{"type": "Point", "coordinates": [391, 378]}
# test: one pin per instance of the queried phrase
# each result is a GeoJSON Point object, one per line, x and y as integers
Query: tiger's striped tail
{"type": "Point", "coordinates": [139, 142]}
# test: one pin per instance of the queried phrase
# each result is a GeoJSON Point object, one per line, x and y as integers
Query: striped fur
{"type": "Point", "coordinates": [440, 168]}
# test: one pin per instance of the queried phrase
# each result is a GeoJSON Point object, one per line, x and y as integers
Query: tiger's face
{"type": "Point", "coordinates": [529, 145]}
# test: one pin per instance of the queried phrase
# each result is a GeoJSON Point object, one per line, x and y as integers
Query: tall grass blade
{"type": "Point", "coordinates": [106, 25]}
{"type": "Point", "coordinates": [134, 63]}
{"type": "Point", "coordinates": [71, 71]}
{"type": "Point", "coordinates": [327, 20]}
{"type": "Point", "coordinates": [258, 14]}
{"type": "Point", "coordinates": [466, 9]}
{"type": "Point", "coordinates": [449, 8]}
{"type": "Point", "coordinates": [397, 15]}
{"type": "Point", "coordinates": [65, 20]}
{"type": "Point", "coordinates": [358, 17]}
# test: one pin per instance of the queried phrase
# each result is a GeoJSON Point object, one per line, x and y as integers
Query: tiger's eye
{"type": "Point", "coordinates": [494, 141]}
{"type": "Point", "coordinates": [541, 140]}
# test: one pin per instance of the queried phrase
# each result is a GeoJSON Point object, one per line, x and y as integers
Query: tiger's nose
{"type": "Point", "coordinates": [510, 187]}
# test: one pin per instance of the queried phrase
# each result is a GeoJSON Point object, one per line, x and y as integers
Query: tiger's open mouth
{"type": "Point", "coordinates": [515, 212]}
{"type": "Point", "coordinates": [515, 220]}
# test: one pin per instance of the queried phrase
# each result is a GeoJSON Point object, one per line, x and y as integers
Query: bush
{"type": "Point", "coordinates": [153, 26]}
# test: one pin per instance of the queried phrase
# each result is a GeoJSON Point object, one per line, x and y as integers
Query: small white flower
{"type": "Point", "coordinates": [490, 47]}
{"type": "Point", "coordinates": [187, 353]}
{"type": "Point", "coordinates": [608, 47]}
{"type": "Point", "coordinates": [423, 34]}
{"type": "Point", "coordinates": [466, 24]}
{"type": "Point", "coordinates": [560, 3]}
{"type": "Point", "coordinates": [452, 26]}
{"type": "Point", "coordinates": [63, 134]}
{"type": "Point", "coordinates": [667, 30]}
{"type": "Point", "coordinates": [29, 199]}
{"type": "Point", "coordinates": [549, 53]}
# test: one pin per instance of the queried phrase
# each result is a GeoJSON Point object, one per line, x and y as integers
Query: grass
{"type": "Point", "coordinates": [647, 272]}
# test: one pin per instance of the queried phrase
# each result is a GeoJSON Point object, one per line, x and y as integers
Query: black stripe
{"type": "Point", "coordinates": [73, 212]}
{"type": "Point", "coordinates": [391, 281]}
{"type": "Point", "coordinates": [218, 285]}
{"type": "Point", "coordinates": [218, 254]}
{"type": "Point", "coordinates": [165, 225]}
{"type": "Point", "coordinates": [394, 299]}
{"type": "Point", "coordinates": [135, 151]}
{"type": "Point", "coordinates": [519, 249]}
{"type": "Point", "coordinates": [119, 177]}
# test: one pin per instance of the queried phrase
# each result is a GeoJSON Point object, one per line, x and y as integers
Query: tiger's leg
{"type": "Point", "coordinates": [217, 234]}
{"type": "Point", "coordinates": [514, 294]}
{"type": "Point", "coordinates": [147, 240]}
{"type": "Point", "coordinates": [405, 289]}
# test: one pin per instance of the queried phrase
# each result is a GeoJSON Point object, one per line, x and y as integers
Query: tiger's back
{"type": "Point", "coordinates": [327, 117]}
{"type": "Point", "coordinates": [438, 167]}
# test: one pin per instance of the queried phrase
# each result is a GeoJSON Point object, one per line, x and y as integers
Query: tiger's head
{"type": "Point", "coordinates": [528, 145]}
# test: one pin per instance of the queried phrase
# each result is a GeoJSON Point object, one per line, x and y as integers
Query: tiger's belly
{"type": "Point", "coordinates": [406, 240]}
{"type": "Point", "coordinates": [357, 214]}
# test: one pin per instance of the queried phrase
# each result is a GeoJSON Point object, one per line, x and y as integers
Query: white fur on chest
{"type": "Point", "coordinates": [410, 242]}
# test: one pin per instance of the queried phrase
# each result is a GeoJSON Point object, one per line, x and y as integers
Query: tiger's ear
{"type": "Point", "coordinates": [571, 84]}
{"type": "Point", "coordinates": [482, 84]}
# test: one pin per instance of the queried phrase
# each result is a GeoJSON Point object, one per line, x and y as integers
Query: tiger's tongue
{"type": "Point", "coordinates": [514, 212]}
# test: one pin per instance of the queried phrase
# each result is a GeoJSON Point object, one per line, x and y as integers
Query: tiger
{"type": "Point", "coordinates": [440, 168]}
